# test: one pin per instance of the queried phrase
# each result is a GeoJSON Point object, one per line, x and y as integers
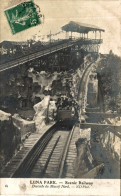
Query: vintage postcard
{"type": "Point", "coordinates": [60, 97]}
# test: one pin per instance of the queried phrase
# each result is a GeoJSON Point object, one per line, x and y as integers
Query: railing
{"type": "Point", "coordinates": [47, 50]}
{"type": "Point", "coordinates": [30, 57]}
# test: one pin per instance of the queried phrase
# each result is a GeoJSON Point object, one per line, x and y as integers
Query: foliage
{"type": "Point", "coordinates": [109, 71]}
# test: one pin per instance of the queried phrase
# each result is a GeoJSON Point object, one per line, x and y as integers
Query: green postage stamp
{"type": "Point", "coordinates": [22, 16]}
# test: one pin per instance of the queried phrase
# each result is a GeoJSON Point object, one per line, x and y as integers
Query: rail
{"type": "Point", "coordinates": [44, 52]}
{"type": "Point", "coordinates": [45, 167]}
{"type": "Point", "coordinates": [64, 154]}
{"type": "Point", "coordinates": [33, 56]}
{"type": "Point", "coordinates": [83, 75]}
{"type": "Point", "coordinates": [26, 165]}
{"type": "Point", "coordinates": [31, 157]}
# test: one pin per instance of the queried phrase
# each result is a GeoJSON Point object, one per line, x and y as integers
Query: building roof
{"type": "Point", "coordinates": [80, 27]}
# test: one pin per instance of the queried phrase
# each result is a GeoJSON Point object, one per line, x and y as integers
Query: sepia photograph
{"type": "Point", "coordinates": [60, 96]}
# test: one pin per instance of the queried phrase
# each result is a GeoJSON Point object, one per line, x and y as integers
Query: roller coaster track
{"type": "Point", "coordinates": [49, 151]}
{"type": "Point", "coordinates": [83, 83]}
{"type": "Point", "coordinates": [48, 155]}
{"type": "Point", "coordinates": [35, 55]}
{"type": "Point", "coordinates": [45, 51]}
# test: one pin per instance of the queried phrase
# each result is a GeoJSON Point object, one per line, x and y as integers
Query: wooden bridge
{"type": "Point", "coordinates": [47, 50]}
{"type": "Point", "coordinates": [77, 43]}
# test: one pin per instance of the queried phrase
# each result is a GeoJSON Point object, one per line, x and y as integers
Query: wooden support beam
{"type": "Point", "coordinates": [102, 128]}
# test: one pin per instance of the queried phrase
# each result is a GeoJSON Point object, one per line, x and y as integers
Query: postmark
{"type": "Point", "coordinates": [23, 16]}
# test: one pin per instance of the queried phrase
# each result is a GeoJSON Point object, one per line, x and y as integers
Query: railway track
{"type": "Point", "coordinates": [82, 92]}
{"type": "Point", "coordinates": [51, 162]}
{"type": "Point", "coordinates": [47, 156]}
{"type": "Point", "coordinates": [26, 58]}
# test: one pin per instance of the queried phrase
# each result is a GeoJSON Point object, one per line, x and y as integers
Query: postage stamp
{"type": "Point", "coordinates": [23, 16]}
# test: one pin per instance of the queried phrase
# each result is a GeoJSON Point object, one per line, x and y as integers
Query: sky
{"type": "Point", "coordinates": [105, 14]}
